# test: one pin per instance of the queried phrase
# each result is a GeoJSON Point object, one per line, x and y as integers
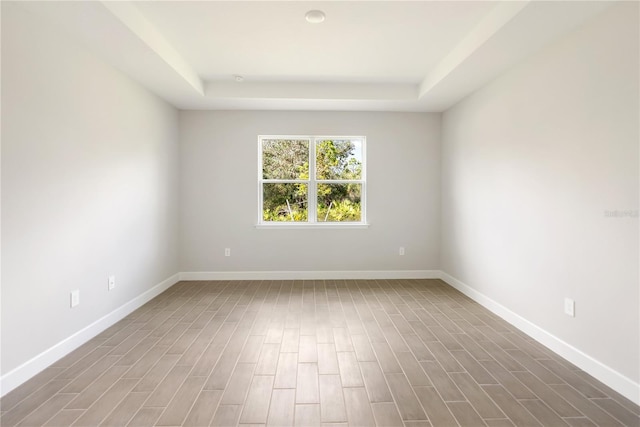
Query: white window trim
{"type": "Point", "coordinates": [312, 186]}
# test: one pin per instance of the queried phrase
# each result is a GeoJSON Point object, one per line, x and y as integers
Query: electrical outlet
{"type": "Point", "coordinates": [227, 251]}
{"type": "Point", "coordinates": [569, 307]}
{"type": "Point", "coordinates": [112, 282]}
{"type": "Point", "coordinates": [401, 251]}
{"type": "Point", "coordinates": [75, 298]}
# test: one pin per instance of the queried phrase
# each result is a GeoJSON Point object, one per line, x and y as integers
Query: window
{"type": "Point", "coordinates": [311, 180]}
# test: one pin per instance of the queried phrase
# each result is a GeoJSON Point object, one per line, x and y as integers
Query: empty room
{"type": "Point", "coordinates": [320, 213]}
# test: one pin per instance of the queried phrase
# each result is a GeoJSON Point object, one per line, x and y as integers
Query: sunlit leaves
{"type": "Point", "coordinates": [285, 159]}
{"type": "Point", "coordinates": [344, 204]}
{"type": "Point", "coordinates": [284, 202]}
{"type": "Point", "coordinates": [335, 160]}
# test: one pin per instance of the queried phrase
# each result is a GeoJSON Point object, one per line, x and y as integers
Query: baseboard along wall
{"type": "Point", "coordinates": [610, 377]}
{"type": "Point", "coordinates": [35, 365]}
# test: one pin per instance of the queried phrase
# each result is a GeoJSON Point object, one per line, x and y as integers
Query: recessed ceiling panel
{"type": "Point", "coordinates": [359, 41]}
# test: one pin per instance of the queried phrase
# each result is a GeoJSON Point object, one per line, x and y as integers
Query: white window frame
{"type": "Point", "coordinates": [312, 186]}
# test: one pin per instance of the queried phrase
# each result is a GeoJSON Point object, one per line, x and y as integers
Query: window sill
{"type": "Point", "coordinates": [290, 226]}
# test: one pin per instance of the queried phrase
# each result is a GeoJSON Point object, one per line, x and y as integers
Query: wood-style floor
{"type": "Point", "coordinates": [310, 353]}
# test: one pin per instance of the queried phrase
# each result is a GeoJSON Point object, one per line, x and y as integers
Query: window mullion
{"type": "Point", "coordinates": [260, 180]}
{"type": "Point", "coordinates": [312, 188]}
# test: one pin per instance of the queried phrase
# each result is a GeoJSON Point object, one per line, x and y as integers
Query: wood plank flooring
{"type": "Point", "coordinates": [314, 353]}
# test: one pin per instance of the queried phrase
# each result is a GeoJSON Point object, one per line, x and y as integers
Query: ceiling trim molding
{"type": "Point", "coordinates": [508, 35]}
{"type": "Point", "coordinates": [486, 29]}
{"type": "Point", "coordinates": [131, 17]}
{"type": "Point", "coordinates": [122, 35]}
{"type": "Point", "coordinates": [319, 90]}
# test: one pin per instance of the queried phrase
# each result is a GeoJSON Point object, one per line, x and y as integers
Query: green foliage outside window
{"type": "Point", "coordinates": [288, 159]}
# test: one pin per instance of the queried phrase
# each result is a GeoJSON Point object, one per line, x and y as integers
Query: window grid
{"type": "Point", "coordinates": [312, 182]}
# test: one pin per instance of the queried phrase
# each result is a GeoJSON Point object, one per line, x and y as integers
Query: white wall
{"type": "Point", "coordinates": [530, 164]}
{"type": "Point", "coordinates": [89, 187]}
{"type": "Point", "coordinates": [219, 172]}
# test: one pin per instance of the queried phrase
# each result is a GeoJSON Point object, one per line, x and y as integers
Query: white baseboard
{"type": "Point", "coordinates": [600, 371]}
{"type": "Point", "coordinates": [623, 385]}
{"type": "Point", "coordinates": [310, 275]}
{"type": "Point", "coordinates": [27, 370]}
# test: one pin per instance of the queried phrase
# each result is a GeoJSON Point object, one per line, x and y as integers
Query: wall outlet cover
{"type": "Point", "coordinates": [570, 307]}
{"type": "Point", "coordinates": [75, 298]}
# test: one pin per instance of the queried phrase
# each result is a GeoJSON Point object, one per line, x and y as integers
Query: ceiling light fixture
{"type": "Point", "coordinates": [314, 16]}
{"type": "Point", "coordinates": [238, 78]}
